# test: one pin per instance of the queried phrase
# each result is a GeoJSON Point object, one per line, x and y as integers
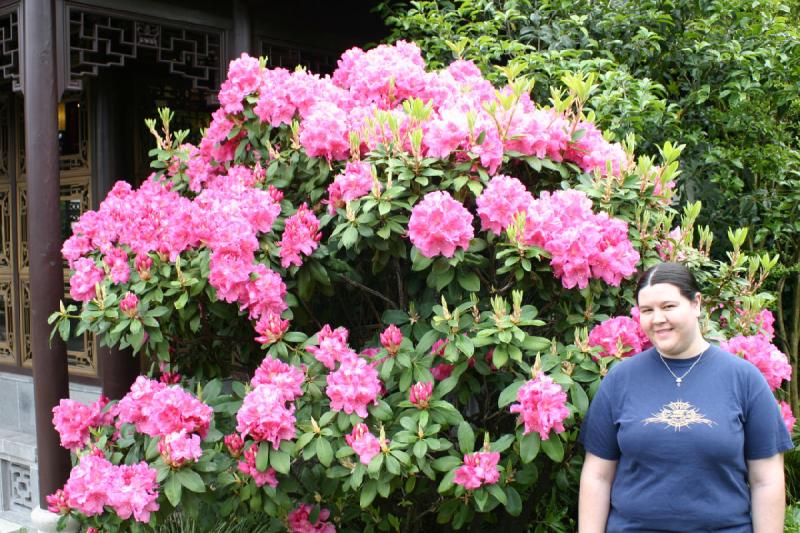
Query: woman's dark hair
{"type": "Point", "coordinates": [672, 273]}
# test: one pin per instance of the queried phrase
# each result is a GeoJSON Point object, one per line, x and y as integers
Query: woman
{"type": "Point", "coordinates": [683, 436]}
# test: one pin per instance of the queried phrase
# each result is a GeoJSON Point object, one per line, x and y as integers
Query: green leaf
{"type": "Point", "coordinates": [579, 398]}
{"type": "Point", "coordinates": [262, 458]}
{"type": "Point", "coordinates": [554, 448]}
{"type": "Point", "coordinates": [503, 443]}
{"type": "Point", "coordinates": [173, 489]}
{"type": "Point", "coordinates": [466, 437]}
{"type": "Point", "coordinates": [529, 447]}
{"type": "Point", "coordinates": [498, 493]}
{"type": "Point", "coordinates": [446, 463]}
{"type": "Point", "coordinates": [447, 482]}
{"type": "Point", "coordinates": [280, 461]}
{"type": "Point", "coordinates": [368, 492]}
{"type": "Point", "coordinates": [509, 394]}
{"type": "Point", "coordinates": [182, 300]}
{"type": "Point", "coordinates": [191, 480]}
{"type": "Point", "coordinates": [469, 281]}
{"type": "Point", "coordinates": [513, 501]}
{"type": "Point", "coordinates": [324, 451]}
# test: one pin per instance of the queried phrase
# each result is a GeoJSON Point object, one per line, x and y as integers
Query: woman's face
{"type": "Point", "coordinates": [670, 320]}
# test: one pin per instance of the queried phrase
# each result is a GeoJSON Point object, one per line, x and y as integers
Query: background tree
{"type": "Point", "coordinates": [720, 77]}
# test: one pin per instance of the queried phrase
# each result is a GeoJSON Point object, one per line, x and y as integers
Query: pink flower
{"type": "Point", "coordinates": [82, 282]}
{"type": "Point", "coordinates": [142, 263]}
{"type": "Point", "coordinates": [353, 386]}
{"type": "Point", "coordinates": [439, 224]}
{"type": "Point", "coordinates": [265, 416]}
{"type": "Point", "coordinates": [788, 417]}
{"type": "Point", "coordinates": [270, 328]}
{"type": "Point", "coordinates": [332, 346]}
{"type": "Point", "coordinates": [244, 78]}
{"type": "Point", "coordinates": [365, 444]}
{"type": "Point", "coordinates": [57, 502]}
{"type": "Point", "coordinates": [324, 132]}
{"type": "Point", "coordinates": [766, 356]}
{"type": "Point", "coordinates": [619, 336]}
{"type": "Point", "coordinates": [479, 468]}
{"type": "Point", "coordinates": [582, 244]}
{"type": "Point", "coordinates": [128, 304]}
{"type": "Point", "coordinates": [72, 421]}
{"type": "Point", "coordinates": [299, 522]}
{"type": "Point", "coordinates": [234, 443]}
{"type": "Point", "coordinates": [391, 339]}
{"type": "Point", "coordinates": [117, 261]}
{"type": "Point", "coordinates": [266, 294]}
{"type": "Point", "coordinates": [89, 485]}
{"type": "Point", "coordinates": [500, 201]}
{"type": "Point", "coordinates": [134, 491]}
{"type": "Point", "coordinates": [300, 236]}
{"type": "Point", "coordinates": [355, 182]}
{"type": "Point", "coordinates": [179, 448]}
{"type": "Point", "coordinates": [542, 406]}
{"type": "Point", "coordinates": [420, 394]}
{"type": "Point", "coordinates": [287, 379]}
{"type": "Point", "coordinates": [158, 410]}
{"type": "Point", "coordinates": [248, 466]}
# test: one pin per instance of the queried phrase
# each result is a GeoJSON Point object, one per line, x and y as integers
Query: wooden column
{"type": "Point", "coordinates": [50, 377]}
{"type": "Point", "coordinates": [118, 368]}
{"type": "Point", "coordinates": [242, 29]}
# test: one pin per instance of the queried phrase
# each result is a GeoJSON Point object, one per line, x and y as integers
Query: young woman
{"type": "Point", "coordinates": [682, 437]}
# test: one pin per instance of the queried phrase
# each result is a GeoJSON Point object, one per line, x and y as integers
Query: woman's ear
{"type": "Point", "coordinates": [697, 304]}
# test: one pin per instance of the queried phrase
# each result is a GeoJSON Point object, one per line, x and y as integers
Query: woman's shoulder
{"type": "Point", "coordinates": [631, 366]}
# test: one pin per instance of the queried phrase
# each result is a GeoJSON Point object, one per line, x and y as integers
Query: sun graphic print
{"type": "Point", "coordinates": [678, 415]}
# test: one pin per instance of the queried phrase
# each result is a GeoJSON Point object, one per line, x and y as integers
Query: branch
{"type": "Point", "coordinates": [366, 289]}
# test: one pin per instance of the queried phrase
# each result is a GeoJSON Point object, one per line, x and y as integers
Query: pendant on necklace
{"type": "Point", "coordinates": [678, 381]}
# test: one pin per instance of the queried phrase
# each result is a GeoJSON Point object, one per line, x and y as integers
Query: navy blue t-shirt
{"type": "Point", "coordinates": [682, 451]}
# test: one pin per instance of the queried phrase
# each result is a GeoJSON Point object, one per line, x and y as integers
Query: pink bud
{"type": "Point", "coordinates": [128, 304]}
{"type": "Point", "coordinates": [391, 339]}
{"type": "Point", "coordinates": [420, 393]}
{"type": "Point", "coordinates": [271, 328]}
{"type": "Point", "coordinates": [234, 443]}
{"type": "Point", "coordinates": [142, 263]}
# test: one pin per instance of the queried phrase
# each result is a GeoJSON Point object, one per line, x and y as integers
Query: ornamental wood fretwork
{"type": "Point", "coordinates": [98, 40]}
{"type": "Point", "coordinates": [291, 55]}
{"type": "Point", "coordinates": [10, 45]}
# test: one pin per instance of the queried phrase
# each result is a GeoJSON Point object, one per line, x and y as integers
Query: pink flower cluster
{"type": "Point", "coordinates": [766, 356]}
{"type": "Point", "coordinates": [619, 336]}
{"type": "Point", "coordinates": [479, 468]}
{"type": "Point", "coordinates": [355, 384]}
{"type": "Point", "coordinates": [158, 410]}
{"type": "Point", "coordinates": [298, 521]}
{"type": "Point", "coordinates": [581, 244]}
{"type": "Point", "coordinates": [286, 378]}
{"type": "Point", "coordinates": [73, 420]}
{"type": "Point", "coordinates": [265, 415]}
{"type": "Point", "coordinates": [180, 448]}
{"type": "Point", "coordinates": [542, 406]}
{"type": "Point", "coordinates": [248, 466]}
{"type": "Point", "coordinates": [788, 417]}
{"type": "Point", "coordinates": [500, 202]}
{"type": "Point", "coordinates": [301, 236]}
{"type": "Point", "coordinates": [439, 224]}
{"type": "Point", "coordinates": [365, 444]}
{"type": "Point", "coordinates": [355, 182]}
{"type": "Point", "coordinates": [95, 483]}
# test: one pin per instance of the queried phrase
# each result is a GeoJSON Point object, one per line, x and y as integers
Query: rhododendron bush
{"type": "Point", "coordinates": [376, 300]}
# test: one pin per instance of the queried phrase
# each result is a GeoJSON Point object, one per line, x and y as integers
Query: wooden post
{"type": "Point", "coordinates": [118, 368]}
{"type": "Point", "coordinates": [242, 29]}
{"type": "Point", "coordinates": [50, 374]}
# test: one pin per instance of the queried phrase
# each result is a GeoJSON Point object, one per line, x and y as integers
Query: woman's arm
{"type": "Point", "coordinates": [767, 497]}
{"type": "Point", "coordinates": [594, 500]}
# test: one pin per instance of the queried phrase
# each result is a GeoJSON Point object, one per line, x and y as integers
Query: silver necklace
{"type": "Point", "coordinates": [679, 379]}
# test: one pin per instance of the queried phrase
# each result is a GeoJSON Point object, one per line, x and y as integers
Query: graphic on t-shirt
{"type": "Point", "coordinates": [678, 415]}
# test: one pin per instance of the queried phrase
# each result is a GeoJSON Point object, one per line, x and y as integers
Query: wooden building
{"type": "Point", "coordinates": [77, 80]}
